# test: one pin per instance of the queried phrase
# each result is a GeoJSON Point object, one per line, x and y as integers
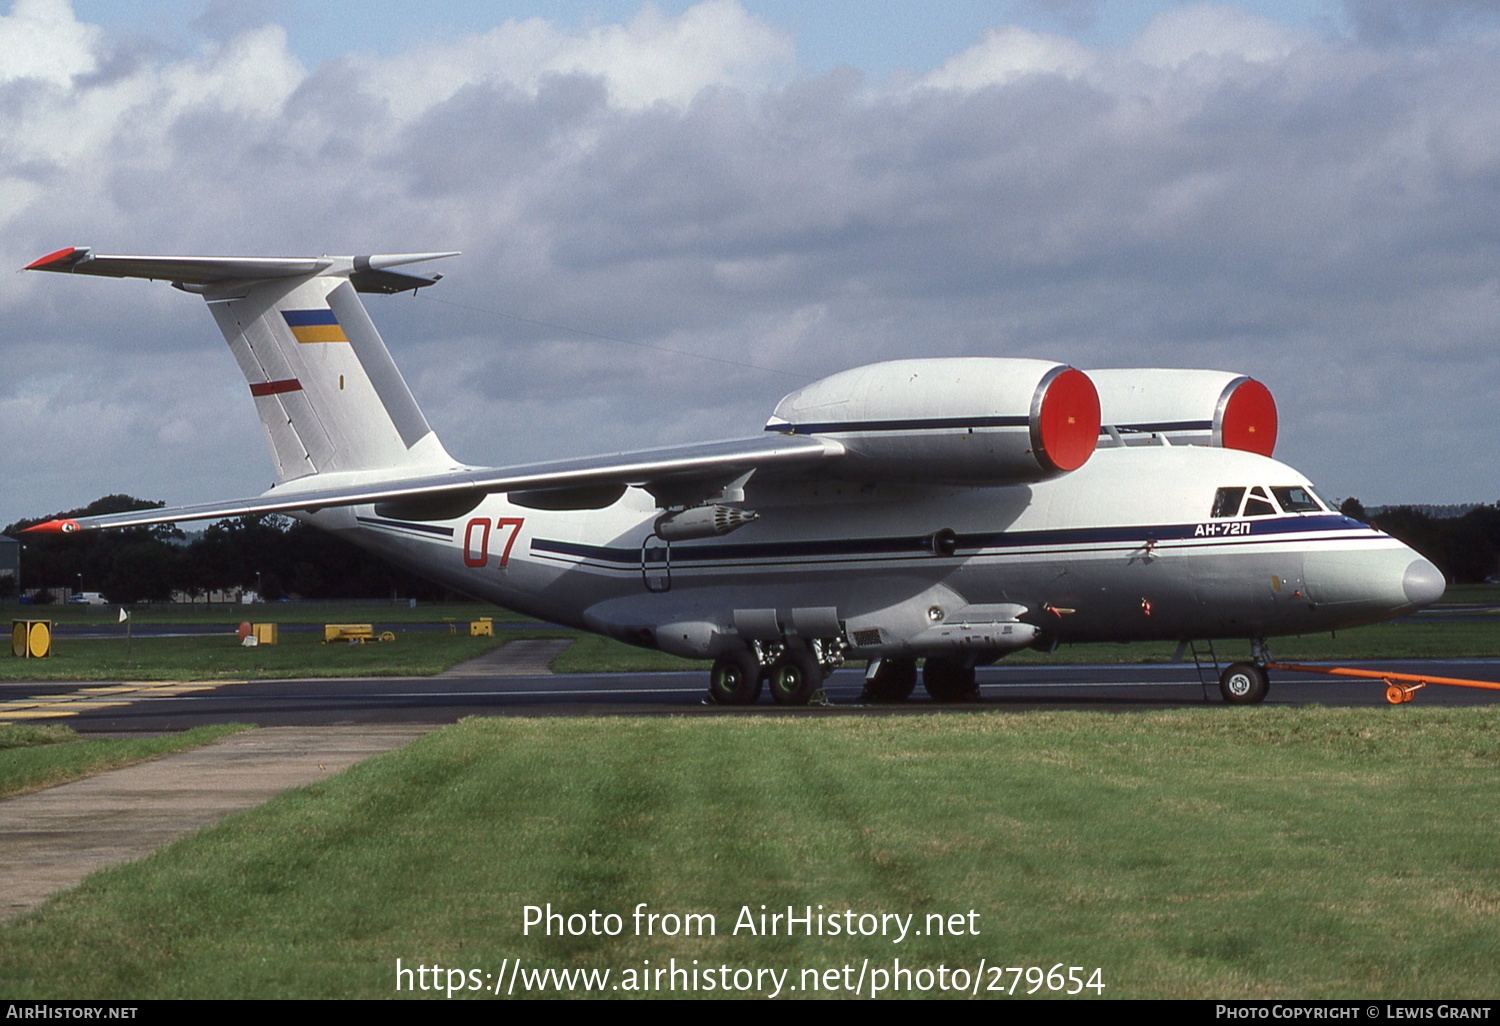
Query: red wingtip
{"type": "Point", "coordinates": [61, 258]}
{"type": "Point", "coordinates": [52, 527]}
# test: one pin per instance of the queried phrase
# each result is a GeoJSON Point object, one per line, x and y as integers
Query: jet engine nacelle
{"type": "Point", "coordinates": [961, 420]}
{"type": "Point", "coordinates": [1188, 407]}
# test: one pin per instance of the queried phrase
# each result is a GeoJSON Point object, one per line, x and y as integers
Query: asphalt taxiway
{"type": "Point", "coordinates": [521, 687]}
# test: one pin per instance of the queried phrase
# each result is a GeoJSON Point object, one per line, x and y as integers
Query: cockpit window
{"type": "Point", "coordinates": [1227, 501]}
{"type": "Point", "coordinates": [1259, 504]}
{"type": "Point", "coordinates": [1292, 499]}
{"type": "Point", "coordinates": [1297, 500]}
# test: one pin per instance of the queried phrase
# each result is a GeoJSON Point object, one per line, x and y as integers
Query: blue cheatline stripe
{"type": "Point", "coordinates": [915, 424]}
{"type": "Point", "coordinates": [904, 545]}
{"type": "Point", "coordinates": [402, 525]}
{"type": "Point", "coordinates": [308, 318]}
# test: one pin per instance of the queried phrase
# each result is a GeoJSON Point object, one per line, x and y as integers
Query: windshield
{"type": "Point", "coordinates": [1227, 501]}
{"type": "Point", "coordinates": [1296, 499]}
{"type": "Point", "coordinates": [1259, 504]}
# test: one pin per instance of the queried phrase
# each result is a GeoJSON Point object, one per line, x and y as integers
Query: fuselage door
{"type": "Point", "coordinates": [656, 563]}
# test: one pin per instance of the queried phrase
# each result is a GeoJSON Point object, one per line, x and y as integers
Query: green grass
{"type": "Point", "coordinates": [280, 612]}
{"type": "Point", "coordinates": [1460, 594]}
{"type": "Point", "coordinates": [1250, 853]}
{"type": "Point", "coordinates": [32, 757]}
{"type": "Point", "coordinates": [221, 657]}
{"type": "Point", "coordinates": [594, 654]}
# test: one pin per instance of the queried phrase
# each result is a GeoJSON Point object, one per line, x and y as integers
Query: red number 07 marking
{"type": "Point", "coordinates": [477, 539]}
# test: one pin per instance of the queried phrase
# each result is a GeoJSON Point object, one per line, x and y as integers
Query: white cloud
{"type": "Point", "coordinates": [652, 58]}
{"type": "Point", "coordinates": [1179, 34]}
{"type": "Point", "coordinates": [1008, 53]}
{"type": "Point", "coordinates": [42, 41]}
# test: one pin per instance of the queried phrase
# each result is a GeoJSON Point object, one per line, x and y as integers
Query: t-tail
{"type": "Point", "coordinates": [327, 391]}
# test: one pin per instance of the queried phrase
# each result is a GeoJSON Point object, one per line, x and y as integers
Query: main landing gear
{"type": "Point", "coordinates": [949, 680]}
{"type": "Point", "coordinates": [736, 678]}
{"type": "Point", "coordinates": [890, 680]}
{"type": "Point", "coordinates": [946, 680]}
{"type": "Point", "coordinates": [793, 669]}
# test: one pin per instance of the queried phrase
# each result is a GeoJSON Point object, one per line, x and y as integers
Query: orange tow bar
{"type": "Point", "coordinates": [1399, 687]}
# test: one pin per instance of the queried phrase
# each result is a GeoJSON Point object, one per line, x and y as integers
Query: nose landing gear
{"type": "Point", "coordinates": [1244, 683]}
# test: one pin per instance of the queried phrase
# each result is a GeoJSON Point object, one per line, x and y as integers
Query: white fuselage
{"type": "Point", "coordinates": [1123, 549]}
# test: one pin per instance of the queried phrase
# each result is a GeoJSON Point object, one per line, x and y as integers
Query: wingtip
{"type": "Point", "coordinates": [52, 527]}
{"type": "Point", "coordinates": [58, 261]}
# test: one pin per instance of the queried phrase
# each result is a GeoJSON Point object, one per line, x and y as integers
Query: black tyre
{"type": "Point", "coordinates": [1244, 684]}
{"type": "Point", "coordinates": [735, 678]}
{"type": "Point", "coordinates": [949, 680]}
{"type": "Point", "coordinates": [796, 678]}
{"type": "Point", "coordinates": [894, 681]}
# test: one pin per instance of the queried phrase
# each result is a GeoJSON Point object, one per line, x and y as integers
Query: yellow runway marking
{"type": "Point", "coordinates": [108, 696]}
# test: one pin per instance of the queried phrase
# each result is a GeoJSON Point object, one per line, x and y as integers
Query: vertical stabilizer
{"type": "Point", "coordinates": [327, 391]}
{"type": "Point", "coordinates": [325, 386]}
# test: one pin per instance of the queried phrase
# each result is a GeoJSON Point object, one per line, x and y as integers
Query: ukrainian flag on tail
{"type": "Point", "coordinates": [314, 325]}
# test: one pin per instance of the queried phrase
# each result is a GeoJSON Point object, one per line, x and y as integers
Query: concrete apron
{"type": "Point", "coordinates": [50, 840]}
{"type": "Point", "coordinates": [525, 657]}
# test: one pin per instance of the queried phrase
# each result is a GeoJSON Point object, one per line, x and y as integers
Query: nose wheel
{"type": "Point", "coordinates": [1244, 684]}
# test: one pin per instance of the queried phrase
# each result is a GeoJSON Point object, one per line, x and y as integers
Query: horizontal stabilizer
{"type": "Point", "coordinates": [366, 273]}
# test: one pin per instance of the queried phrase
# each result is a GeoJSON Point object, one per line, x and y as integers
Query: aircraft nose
{"type": "Point", "coordinates": [1424, 583]}
{"type": "Point", "coordinates": [1375, 581]}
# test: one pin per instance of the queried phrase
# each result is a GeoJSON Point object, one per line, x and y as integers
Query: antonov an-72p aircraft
{"type": "Point", "coordinates": [942, 510]}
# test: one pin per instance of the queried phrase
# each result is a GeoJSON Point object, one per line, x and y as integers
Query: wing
{"type": "Point", "coordinates": [681, 475]}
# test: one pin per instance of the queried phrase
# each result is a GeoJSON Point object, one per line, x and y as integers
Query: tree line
{"type": "Point", "coordinates": [284, 558]}
{"type": "Point", "coordinates": [277, 556]}
{"type": "Point", "coordinates": [1466, 548]}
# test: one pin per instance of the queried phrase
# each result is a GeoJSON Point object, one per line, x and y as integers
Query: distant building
{"type": "Point", "coordinates": [219, 596]}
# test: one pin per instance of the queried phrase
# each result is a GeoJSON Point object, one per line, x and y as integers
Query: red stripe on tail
{"type": "Point", "coordinates": [275, 387]}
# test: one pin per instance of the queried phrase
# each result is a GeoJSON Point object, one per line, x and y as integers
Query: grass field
{"type": "Point", "coordinates": [36, 756]}
{"type": "Point", "coordinates": [221, 657]}
{"type": "Point", "coordinates": [1263, 852]}
{"type": "Point", "coordinates": [1194, 853]}
{"type": "Point", "coordinates": [280, 612]}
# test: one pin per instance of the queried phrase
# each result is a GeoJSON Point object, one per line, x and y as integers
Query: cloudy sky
{"type": "Point", "coordinates": [672, 214]}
